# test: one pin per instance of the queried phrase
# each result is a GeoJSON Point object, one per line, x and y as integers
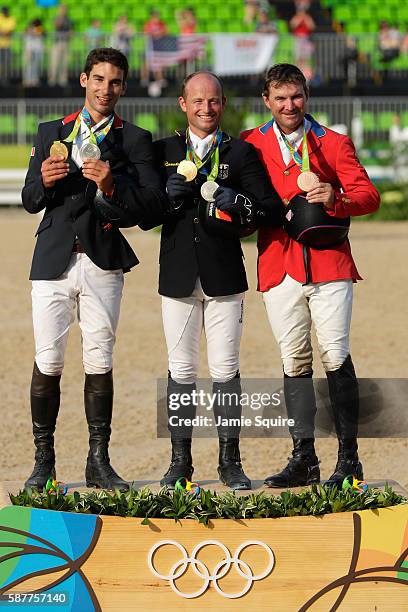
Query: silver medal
{"type": "Point", "coordinates": [208, 189]}
{"type": "Point", "coordinates": [89, 151]}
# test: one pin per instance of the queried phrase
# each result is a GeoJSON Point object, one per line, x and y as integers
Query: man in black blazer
{"type": "Point", "coordinates": [202, 275]}
{"type": "Point", "coordinates": [93, 173]}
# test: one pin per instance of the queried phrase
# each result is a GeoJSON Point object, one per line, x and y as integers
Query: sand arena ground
{"type": "Point", "coordinates": [379, 343]}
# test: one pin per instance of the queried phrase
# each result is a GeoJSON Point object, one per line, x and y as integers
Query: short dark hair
{"type": "Point", "coordinates": [280, 74]}
{"type": "Point", "coordinates": [193, 74]}
{"type": "Point", "coordinates": [109, 55]}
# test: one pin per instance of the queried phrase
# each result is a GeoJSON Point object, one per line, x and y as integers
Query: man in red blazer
{"type": "Point", "coordinates": [301, 285]}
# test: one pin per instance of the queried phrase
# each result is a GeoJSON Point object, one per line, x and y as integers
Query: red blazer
{"type": "Point", "coordinates": [333, 158]}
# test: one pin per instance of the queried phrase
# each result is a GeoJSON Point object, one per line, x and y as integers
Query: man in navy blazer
{"type": "Point", "coordinates": [93, 173]}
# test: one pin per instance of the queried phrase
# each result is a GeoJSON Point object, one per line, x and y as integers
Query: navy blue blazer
{"type": "Point", "coordinates": [68, 205]}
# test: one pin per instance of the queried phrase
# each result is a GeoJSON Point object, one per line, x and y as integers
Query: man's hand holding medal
{"type": "Point", "coordinates": [55, 167]}
{"type": "Point", "coordinates": [99, 171]}
{"type": "Point", "coordinates": [322, 193]}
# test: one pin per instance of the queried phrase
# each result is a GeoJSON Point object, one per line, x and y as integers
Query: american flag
{"type": "Point", "coordinates": [171, 50]}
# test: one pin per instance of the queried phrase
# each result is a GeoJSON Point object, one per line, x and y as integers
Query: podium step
{"type": "Point", "coordinates": [14, 486]}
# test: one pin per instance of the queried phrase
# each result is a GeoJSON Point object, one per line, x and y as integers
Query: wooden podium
{"type": "Point", "coordinates": [345, 561]}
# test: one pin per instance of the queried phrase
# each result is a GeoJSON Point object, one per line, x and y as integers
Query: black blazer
{"type": "Point", "coordinates": [187, 249]}
{"type": "Point", "coordinates": [67, 205]}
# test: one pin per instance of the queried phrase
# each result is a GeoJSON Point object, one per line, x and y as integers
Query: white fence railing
{"type": "Point", "coordinates": [365, 119]}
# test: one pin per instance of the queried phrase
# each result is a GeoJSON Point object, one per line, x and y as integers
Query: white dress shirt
{"type": "Point", "coordinates": [201, 146]}
{"type": "Point", "coordinates": [83, 136]}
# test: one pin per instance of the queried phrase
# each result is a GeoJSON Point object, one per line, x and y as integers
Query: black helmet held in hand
{"type": "Point", "coordinates": [310, 224]}
{"type": "Point", "coordinates": [222, 222]}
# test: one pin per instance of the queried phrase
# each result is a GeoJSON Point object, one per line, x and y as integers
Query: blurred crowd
{"type": "Point", "coordinates": [301, 25]}
{"type": "Point", "coordinates": [46, 55]}
{"type": "Point", "coordinates": [53, 48]}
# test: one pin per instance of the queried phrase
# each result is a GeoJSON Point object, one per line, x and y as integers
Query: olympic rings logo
{"type": "Point", "coordinates": [221, 569]}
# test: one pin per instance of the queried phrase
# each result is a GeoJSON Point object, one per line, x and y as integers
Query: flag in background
{"type": "Point", "coordinates": [170, 50]}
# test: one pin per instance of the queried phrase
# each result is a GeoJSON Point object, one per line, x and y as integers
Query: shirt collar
{"type": "Point", "coordinates": [196, 141]}
{"type": "Point", "coordinates": [95, 128]}
{"type": "Point", "coordinates": [294, 138]}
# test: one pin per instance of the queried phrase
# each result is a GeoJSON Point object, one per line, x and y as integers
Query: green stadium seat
{"type": "Point", "coordinates": [147, 121]}
{"type": "Point", "coordinates": [140, 13]}
{"type": "Point", "coordinates": [367, 44]}
{"type": "Point", "coordinates": [50, 117]}
{"type": "Point", "coordinates": [223, 12]}
{"type": "Point", "coordinates": [404, 119]}
{"type": "Point", "coordinates": [384, 13]}
{"type": "Point", "coordinates": [282, 26]}
{"type": "Point", "coordinates": [234, 26]}
{"type": "Point", "coordinates": [385, 120]}
{"type": "Point", "coordinates": [369, 122]}
{"type": "Point", "coordinates": [359, 27]}
{"type": "Point", "coordinates": [343, 13]}
{"type": "Point", "coordinates": [252, 120]}
{"type": "Point", "coordinates": [31, 123]}
{"type": "Point", "coordinates": [364, 13]}
{"type": "Point", "coordinates": [7, 124]}
{"type": "Point", "coordinates": [322, 118]}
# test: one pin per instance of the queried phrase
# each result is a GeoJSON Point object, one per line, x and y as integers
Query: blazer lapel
{"type": "Point", "coordinates": [273, 152]}
{"type": "Point", "coordinates": [225, 143]}
{"type": "Point", "coordinates": [107, 143]}
{"type": "Point", "coordinates": [313, 142]}
{"type": "Point", "coordinates": [64, 132]}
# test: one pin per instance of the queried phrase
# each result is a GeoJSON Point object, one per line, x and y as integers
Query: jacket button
{"type": "Point", "coordinates": [196, 239]}
{"type": "Point", "coordinates": [196, 220]}
{"type": "Point", "coordinates": [286, 172]}
{"type": "Point", "coordinates": [75, 196]}
{"type": "Point", "coordinates": [196, 200]}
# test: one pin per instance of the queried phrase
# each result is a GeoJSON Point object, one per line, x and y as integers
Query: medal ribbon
{"type": "Point", "coordinates": [94, 138]}
{"type": "Point", "coordinates": [302, 162]}
{"type": "Point", "coordinates": [213, 155]}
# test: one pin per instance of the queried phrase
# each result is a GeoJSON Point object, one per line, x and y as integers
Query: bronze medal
{"type": "Point", "coordinates": [307, 181]}
{"type": "Point", "coordinates": [58, 149]}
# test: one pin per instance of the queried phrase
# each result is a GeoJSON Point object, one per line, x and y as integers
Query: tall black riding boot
{"type": "Point", "coordinates": [45, 402]}
{"type": "Point", "coordinates": [98, 399]}
{"type": "Point", "coordinates": [344, 397]}
{"type": "Point", "coordinates": [227, 412]}
{"type": "Point", "coordinates": [181, 464]}
{"type": "Point", "coordinates": [303, 466]}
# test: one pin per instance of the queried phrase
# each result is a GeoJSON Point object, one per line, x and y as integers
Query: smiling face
{"type": "Point", "coordinates": [104, 86]}
{"type": "Point", "coordinates": [203, 104]}
{"type": "Point", "coordinates": [287, 103]}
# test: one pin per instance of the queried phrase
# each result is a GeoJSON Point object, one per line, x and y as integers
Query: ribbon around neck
{"type": "Point", "coordinates": [94, 137]}
{"type": "Point", "coordinates": [213, 156]}
{"type": "Point", "coordinates": [303, 162]}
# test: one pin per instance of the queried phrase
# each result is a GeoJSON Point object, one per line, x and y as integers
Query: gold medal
{"type": "Point", "coordinates": [307, 181]}
{"type": "Point", "coordinates": [58, 149]}
{"type": "Point", "coordinates": [188, 169]}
